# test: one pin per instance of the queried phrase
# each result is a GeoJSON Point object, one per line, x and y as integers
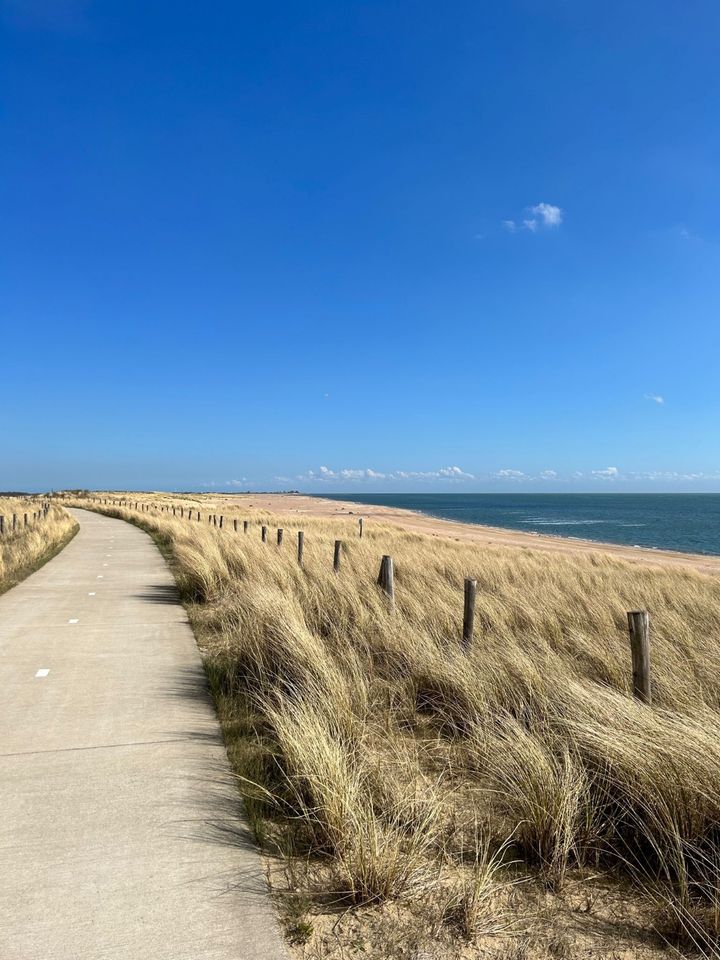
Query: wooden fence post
{"type": "Point", "coordinates": [14, 522]}
{"type": "Point", "coordinates": [235, 524]}
{"type": "Point", "coordinates": [360, 525]}
{"type": "Point", "coordinates": [386, 580]}
{"type": "Point", "coordinates": [279, 536]}
{"type": "Point", "coordinates": [245, 526]}
{"type": "Point", "coordinates": [336, 555]}
{"type": "Point", "coordinates": [263, 533]}
{"type": "Point", "coordinates": [221, 521]}
{"type": "Point", "coordinates": [639, 626]}
{"type": "Point", "coordinates": [2, 525]}
{"type": "Point", "coordinates": [301, 546]}
{"type": "Point", "coordinates": [469, 612]}
{"type": "Point", "coordinates": [25, 520]}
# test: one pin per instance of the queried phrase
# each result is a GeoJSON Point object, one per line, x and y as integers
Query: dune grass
{"type": "Point", "coordinates": [24, 548]}
{"type": "Point", "coordinates": [461, 793]}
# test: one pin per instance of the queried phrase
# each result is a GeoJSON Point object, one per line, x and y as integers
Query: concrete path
{"type": "Point", "coordinates": [119, 829]}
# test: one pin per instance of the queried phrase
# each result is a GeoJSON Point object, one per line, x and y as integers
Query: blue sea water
{"type": "Point", "coordinates": [667, 521]}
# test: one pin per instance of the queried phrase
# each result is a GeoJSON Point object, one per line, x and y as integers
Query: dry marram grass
{"type": "Point", "coordinates": [25, 546]}
{"type": "Point", "coordinates": [468, 795]}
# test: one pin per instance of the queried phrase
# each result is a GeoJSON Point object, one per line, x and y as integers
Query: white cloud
{"type": "Point", "coordinates": [455, 472]}
{"type": "Point", "coordinates": [550, 215]}
{"type": "Point", "coordinates": [548, 474]}
{"type": "Point", "coordinates": [545, 215]}
{"type": "Point", "coordinates": [656, 398]}
{"type": "Point", "coordinates": [609, 473]}
{"type": "Point", "coordinates": [509, 474]}
{"type": "Point", "coordinates": [673, 475]}
{"type": "Point", "coordinates": [326, 475]}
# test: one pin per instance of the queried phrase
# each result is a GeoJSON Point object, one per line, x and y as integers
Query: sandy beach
{"type": "Point", "coordinates": [436, 527]}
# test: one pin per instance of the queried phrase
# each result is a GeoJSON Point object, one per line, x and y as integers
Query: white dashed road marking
{"type": "Point", "coordinates": [92, 593]}
{"type": "Point", "coordinates": [43, 672]}
{"type": "Point", "coordinates": [73, 621]}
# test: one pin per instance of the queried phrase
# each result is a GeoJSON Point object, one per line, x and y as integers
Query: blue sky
{"type": "Point", "coordinates": [360, 245]}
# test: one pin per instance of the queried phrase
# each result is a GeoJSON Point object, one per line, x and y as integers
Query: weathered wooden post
{"type": "Point", "coordinates": [214, 519]}
{"type": "Point", "coordinates": [235, 524]}
{"type": "Point", "coordinates": [386, 580]}
{"type": "Point", "coordinates": [301, 546]}
{"type": "Point", "coordinates": [14, 522]}
{"type": "Point", "coordinates": [173, 511]}
{"type": "Point", "coordinates": [469, 612]}
{"type": "Point", "coordinates": [182, 513]}
{"type": "Point", "coordinates": [198, 513]}
{"type": "Point", "coordinates": [221, 521]}
{"type": "Point", "coordinates": [639, 626]}
{"type": "Point", "coordinates": [245, 526]}
{"type": "Point", "coordinates": [279, 536]}
{"type": "Point", "coordinates": [336, 556]}
{"type": "Point", "coordinates": [360, 527]}
{"type": "Point", "coordinates": [25, 520]}
{"type": "Point", "coordinates": [263, 533]}
{"type": "Point", "coordinates": [2, 525]}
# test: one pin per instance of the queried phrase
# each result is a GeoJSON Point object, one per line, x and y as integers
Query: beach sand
{"type": "Point", "coordinates": [470, 532]}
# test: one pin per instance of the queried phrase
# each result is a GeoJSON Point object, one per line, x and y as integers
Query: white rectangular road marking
{"type": "Point", "coordinates": [43, 672]}
{"type": "Point", "coordinates": [92, 593]}
{"type": "Point", "coordinates": [72, 621]}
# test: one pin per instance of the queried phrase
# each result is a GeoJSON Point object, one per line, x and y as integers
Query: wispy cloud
{"type": "Point", "coordinates": [354, 474]}
{"type": "Point", "coordinates": [548, 213]}
{"type": "Point", "coordinates": [655, 397]}
{"type": "Point", "coordinates": [507, 476]}
{"type": "Point", "coordinates": [540, 216]}
{"type": "Point", "coordinates": [686, 234]}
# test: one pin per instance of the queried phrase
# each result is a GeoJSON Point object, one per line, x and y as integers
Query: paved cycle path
{"type": "Point", "coordinates": [121, 835]}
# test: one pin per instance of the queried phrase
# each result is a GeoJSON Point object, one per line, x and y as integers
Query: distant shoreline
{"type": "Point", "coordinates": [312, 505]}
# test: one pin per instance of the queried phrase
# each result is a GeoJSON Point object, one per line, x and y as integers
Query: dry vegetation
{"type": "Point", "coordinates": [419, 801]}
{"type": "Point", "coordinates": [26, 547]}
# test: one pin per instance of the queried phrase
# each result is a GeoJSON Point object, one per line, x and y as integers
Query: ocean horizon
{"type": "Point", "coordinates": [686, 522]}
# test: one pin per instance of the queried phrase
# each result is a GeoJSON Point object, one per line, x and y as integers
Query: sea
{"type": "Point", "coordinates": [689, 522]}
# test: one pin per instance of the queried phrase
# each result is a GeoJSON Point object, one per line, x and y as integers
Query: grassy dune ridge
{"type": "Point", "coordinates": [483, 800]}
{"type": "Point", "coordinates": [26, 548]}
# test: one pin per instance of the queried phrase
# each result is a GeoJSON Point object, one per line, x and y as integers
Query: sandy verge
{"type": "Point", "coordinates": [433, 526]}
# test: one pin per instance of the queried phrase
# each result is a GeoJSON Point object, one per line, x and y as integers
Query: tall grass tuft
{"type": "Point", "coordinates": [26, 548]}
